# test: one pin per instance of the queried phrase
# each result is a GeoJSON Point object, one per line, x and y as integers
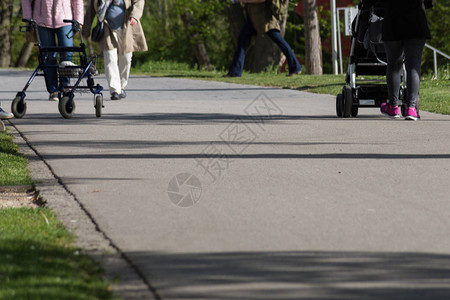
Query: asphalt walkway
{"type": "Point", "coordinates": [224, 191]}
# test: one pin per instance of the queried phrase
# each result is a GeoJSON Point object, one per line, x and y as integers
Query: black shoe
{"type": "Point", "coordinates": [123, 94]}
{"type": "Point", "coordinates": [115, 96]}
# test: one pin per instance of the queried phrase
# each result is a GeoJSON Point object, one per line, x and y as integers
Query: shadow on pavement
{"type": "Point", "coordinates": [171, 119]}
{"type": "Point", "coordinates": [297, 275]}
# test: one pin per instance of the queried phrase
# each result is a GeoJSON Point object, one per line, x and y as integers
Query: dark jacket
{"type": "Point", "coordinates": [404, 19]}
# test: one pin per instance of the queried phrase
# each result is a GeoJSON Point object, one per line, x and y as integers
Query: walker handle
{"type": "Point", "coordinates": [31, 24]}
{"type": "Point", "coordinates": [75, 24]}
{"type": "Point", "coordinates": [76, 27]}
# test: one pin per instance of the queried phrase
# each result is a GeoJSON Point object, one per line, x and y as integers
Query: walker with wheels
{"type": "Point", "coordinates": [78, 71]}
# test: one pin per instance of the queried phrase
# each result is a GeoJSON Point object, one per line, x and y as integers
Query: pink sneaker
{"type": "Point", "coordinates": [388, 110]}
{"type": "Point", "coordinates": [411, 114]}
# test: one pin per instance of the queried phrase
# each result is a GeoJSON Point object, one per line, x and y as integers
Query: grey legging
{"type": "Point", "coordinates": [411, 50]}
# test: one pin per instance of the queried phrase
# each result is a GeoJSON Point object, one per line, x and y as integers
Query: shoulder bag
{"type": "Point", "coordinates": [98, 31]}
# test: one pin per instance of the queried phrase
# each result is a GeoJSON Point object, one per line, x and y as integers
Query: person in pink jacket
{"type": "Point", "coordinates": [49, 16]}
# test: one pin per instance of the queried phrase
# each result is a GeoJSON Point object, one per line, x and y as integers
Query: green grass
{"type": "Point", "coordinates": [38, 260]}
{"type": "Point", "coordinates": [37, 256]}
{"type": "Point", "coordinates": [13, 166]}
{"type": "Point", "coordinates": [434, 94]}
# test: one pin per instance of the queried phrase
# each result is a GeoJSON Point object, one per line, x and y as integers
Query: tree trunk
{"type": "Point", "coordinates": [262, 55]}
{"type": "Point", "coordinates": [313, 47]}
{"type": "Point", "coordinates": [284, 20]}
{"type": "Point", "coordinates": [163, 14]}
{"type": "Point", "coordinates": [24, 55]}
{"type": "Point", "coordinates": [6, 10]}
{"type": "Point", "coordinates": [236, 17]}
{"type": "Point", "coordinates": [166, 16]}
{"type": "Point", "coordinates": [198, 46]}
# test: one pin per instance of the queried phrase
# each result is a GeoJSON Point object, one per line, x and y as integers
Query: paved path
{"type": "Point", "coordinates": [225, 191]}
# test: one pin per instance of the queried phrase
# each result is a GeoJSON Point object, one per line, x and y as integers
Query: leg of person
{"type": "Point", "coordinates": [112, 72]}
{"type": "Point", "coordinates": [294, 65]}
{"type": "Point", "coordinates": [413, 60]}
{"type": "Point", "coordinates": [394, 53]}
{"type": "Point", "coordinates": [47, 37]}
{"type": "Point", "coordinates": [64, 41]}
{"type": "Point", "coordinates": [124, 69]}
{"type": "Point", "coordinates": [237, 65]}
{"type": "Point", "coordinates": [124, 66]}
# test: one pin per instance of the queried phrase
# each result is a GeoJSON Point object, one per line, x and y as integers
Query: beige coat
{"type": "Point", "coordinates": [132, 35]}
{"type": "Point", "coordinates": [262, 18]}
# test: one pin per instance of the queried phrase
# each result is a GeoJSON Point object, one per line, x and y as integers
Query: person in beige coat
{"type": "Point", "coordinates": [123, 36]}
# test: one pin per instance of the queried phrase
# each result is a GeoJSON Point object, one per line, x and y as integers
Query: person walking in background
{"type": "Point", "coordinates": [49, 16]}
{"type": "Point", "coordinates": [404, 31]}
{"type": "Point", "coordinates": [261, 20]}
{"type": "Point", "coordinates": [123, 36]}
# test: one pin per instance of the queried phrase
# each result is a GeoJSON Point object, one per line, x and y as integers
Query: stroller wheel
{"type": "Point", "coordinates": [18, 107]}
{"type": "Point", "coordinates": [66, 107]}
{"type": "Point", "coordinates": [348, 101]}
{"type": "Point", "coordinates": [98, 105]}
{"type": "Point", "coordinates": [339, 105]}
{"type": "Point", "coordinates": [403, 109]}
{"type": "Point", "coordinates": [354, 111]}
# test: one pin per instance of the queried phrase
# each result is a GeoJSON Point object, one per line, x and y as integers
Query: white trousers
{"type": "Point", "coordinates": [117, 65]}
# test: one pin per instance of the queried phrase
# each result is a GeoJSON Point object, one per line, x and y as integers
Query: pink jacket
{"type": "Point", "coordinates": [51, 13]}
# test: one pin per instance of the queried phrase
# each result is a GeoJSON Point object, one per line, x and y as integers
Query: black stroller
{"type": "Point", "coordinates": [78, 69]}
{"type": "Point", "coordinates": [367, 58]}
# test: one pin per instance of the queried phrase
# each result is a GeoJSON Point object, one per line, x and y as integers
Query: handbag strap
{"type": "Point", "coordinates": [102, 9]}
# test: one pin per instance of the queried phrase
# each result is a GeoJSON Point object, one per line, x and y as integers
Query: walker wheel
{"type": "Point", "coordinates": [66, 107]}
{"type": "Point", "coordinates": [18, 107]}
{"type": "Point", "coordinates": [98, 105]}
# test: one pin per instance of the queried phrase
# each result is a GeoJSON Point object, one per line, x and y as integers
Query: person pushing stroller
{"type": "Point", "coordinates": [404, 31]}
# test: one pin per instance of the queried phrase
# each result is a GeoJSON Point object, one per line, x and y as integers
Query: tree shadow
{"type": "Point", "coordinates": [33, 270]}
{"type": "Point", "coordinates": [167, 119]}
{"type": "Point", "coordinates": [296, 275]}
{"type": "Point", "coordinates": [313, 87]}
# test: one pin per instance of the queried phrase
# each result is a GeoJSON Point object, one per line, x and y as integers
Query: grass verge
{"type": "Point", "coordinates": [13, 166]}
{"type": "Point", "coordinates": [37, 256]}
{"type": "Point", "coordinates": [434, 94]}
{"type": "Point", "coordinates": [38, 260]}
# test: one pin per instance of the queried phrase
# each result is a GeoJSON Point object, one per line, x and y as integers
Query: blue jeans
{"type": "Point", "coordinates": [246, 33]}
{"type": "Point", "coordinates": [48, 37]}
